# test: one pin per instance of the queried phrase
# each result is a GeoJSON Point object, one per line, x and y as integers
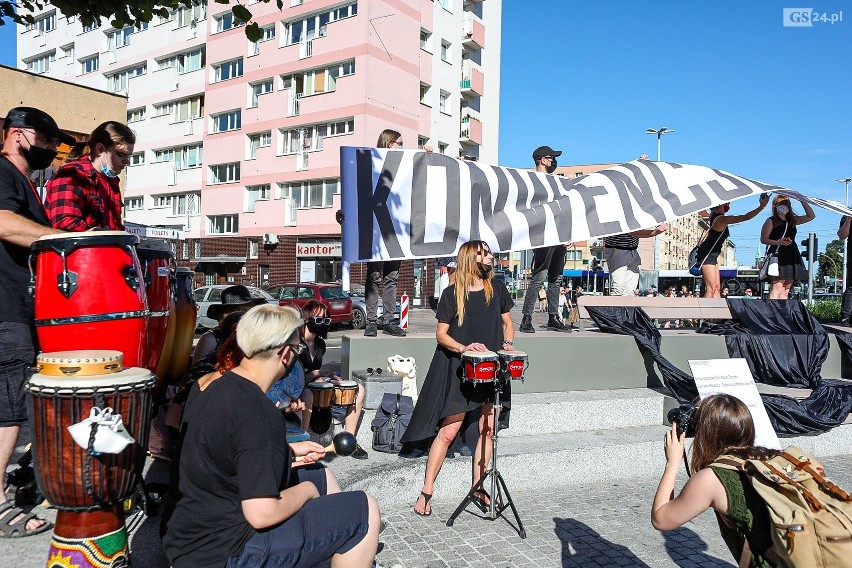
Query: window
{"type": "Point", "coordinates": [196, 249]}
{"type": "Point", "coordinates": [182, 204]}
{"type": "Point", "coordinates": [424, 40]}
{"type": "Point", "coordinates": [120, 38]}
{"type": "Point", "coordinates": [224, 173]}
{"type": "Point", "coordinates": [117, 83]}
{"type": "Point", "coordinates": [182, 110]}
{"type": "Point", "coordinates": [312, 193]}
{"type": "Point", "coordinates": [447, 5]}
{"type": "Point", "coordinates": [573, 254]}
{"type": "Point", "coordinates": [225, 22]}
{"type": "Point", "coordinates": [44, 24]}
{"type": "Point", "coordinates": [442, 102]}
{"type": "Point", "coordinates": [317, 81]}
{"type": "Point", "coordinates": [162, 201]}
{"type": "Point", "coordinates": [67, 51]}
{"type": "Point", "coordinates": [422, 141]}
{"type": "Point", "coordinates": [223, 224]}
{"type": "Point", "coordinates": [342, 127]}
{"type": "Point", "coordinates": [42, 63]}
{"type": "Point", "coordinates": [227, 121]}
{"type": "Point", "coordinates": [89, 64]}
{"type": "Point", "coordinates": [137, 158]}
{"type": "Point", "coordinates": [136, 115]}
{"type": "Point", "coordinates": [183, 62]}
{"type": "Point", "coordinates": [184, 250]}
{"type": "Point", "coordinates": [261, 140]}
{"type": "Point", "coordinates": [316, 25]}
{"type": "Point", "coordinates": [190, 15]}
{"type": "Point", "coordinates": [92, 26]}
{"type": "Point", "coordinates": [183, 157]}
{"type": "Point", "coordinates": [424, 93]}
{"type": "Point", "coordinates": [169, 17]}
{"type": "Point", "coordinates": [133, 203]}
{"type": "Point", "coordinates": [268, 34]}
{"type": "Point", "coordinates": [442, 148]}
{"type": "Point", "coordinates": [258, 89]}
{"type": "Point", "coordinates": [253, 249]}
{"type": "Point", "coordinates": [228, 70]}
{"type": "Point", "coordinates": [254, 193]}
{"type": "Point", "coordinates": [445, 51]}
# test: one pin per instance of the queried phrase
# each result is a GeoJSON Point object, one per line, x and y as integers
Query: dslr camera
{"type": "Point", "coordinates": [684, 417]}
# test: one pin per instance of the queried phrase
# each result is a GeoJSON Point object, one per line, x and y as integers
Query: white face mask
{"type": "Point", "coordinates": [782, 210]}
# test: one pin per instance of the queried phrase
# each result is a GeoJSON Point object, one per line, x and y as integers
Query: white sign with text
{"type": "Point", "coordinates": [733, 377]}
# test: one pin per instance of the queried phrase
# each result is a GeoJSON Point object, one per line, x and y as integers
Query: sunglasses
{"type": "Point", "coordinates": [319, 320]}
{"type": "Point", "coordinates": [295, 348]}
{"type": "Point", "coordinates": [376, 371]}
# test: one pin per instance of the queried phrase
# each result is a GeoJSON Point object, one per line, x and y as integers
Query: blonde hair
{"type": "Point", "coordinates": [468, 272]}
{"type": "Point", "coordinates": [265, 327]}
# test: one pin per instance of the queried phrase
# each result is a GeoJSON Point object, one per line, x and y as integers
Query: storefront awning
{"type": "Point", "coordinates": [220, 263]}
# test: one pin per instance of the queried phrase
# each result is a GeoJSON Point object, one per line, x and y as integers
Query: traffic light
{"type": "Point", "coordinates": [596, 265]}
{"type": "Point", "coordinates": [810, 255]}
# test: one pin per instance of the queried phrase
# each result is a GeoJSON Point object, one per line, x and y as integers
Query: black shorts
{"type": "Point", "coordinates": [17, 355]}
{"type": "Point", "coordinates": [325, 526]}
{"type": "Point", "coordinates": [712, 258]}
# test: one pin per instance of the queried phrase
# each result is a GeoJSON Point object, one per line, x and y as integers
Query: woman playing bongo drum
{"type": "Point", "coordinates": [473, 315]}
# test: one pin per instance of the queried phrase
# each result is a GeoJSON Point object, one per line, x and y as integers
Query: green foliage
{"type": "Point", "coordinates": [831, 261]}
{"type": "Point", "coordinates": [119, 13]}
{"type": "Point", "coordinates": [826, 311]}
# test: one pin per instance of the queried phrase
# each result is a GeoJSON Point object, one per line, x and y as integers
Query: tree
{"type": "Point", "coordinates": [119, 13]}
{"type": "Point", "coordinates": [831, 261]}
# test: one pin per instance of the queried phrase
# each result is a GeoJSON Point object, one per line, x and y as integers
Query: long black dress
{"type": "Point", "coordinates": [444, 393]}
{"type": "Point", "coordinates": [790, 265]}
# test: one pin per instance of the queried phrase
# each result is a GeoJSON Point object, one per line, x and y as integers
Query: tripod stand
{"type": "Point", "coordinates": [500, 498]}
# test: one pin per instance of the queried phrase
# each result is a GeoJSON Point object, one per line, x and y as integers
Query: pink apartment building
{"type": "Point", "coordinates": [238, 142]}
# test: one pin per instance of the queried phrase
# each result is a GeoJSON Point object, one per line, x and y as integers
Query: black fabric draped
{"type": "Point", "coordinates": [782, 344]}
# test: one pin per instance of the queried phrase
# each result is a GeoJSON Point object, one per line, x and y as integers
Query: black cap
{"type": "Point", "coordinates": [238, 296]}
{"type": "Point", "coordinates": [543, 151]}
{"type": "Point", "coordinates": [38, 120]}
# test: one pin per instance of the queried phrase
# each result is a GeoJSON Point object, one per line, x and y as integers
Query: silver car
{"type": "Point", "coordinates": [207, 295]}
{"type": "Point", "coordinates": [359, 308]}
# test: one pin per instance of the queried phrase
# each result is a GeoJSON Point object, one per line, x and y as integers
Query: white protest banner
{"type": "Point", "coordinates": [733, 377]}
{"type": "Point", "coordinates": [412, 204]}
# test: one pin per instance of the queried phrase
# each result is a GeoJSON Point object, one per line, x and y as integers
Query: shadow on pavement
{"type": "Point", "coordinates": [686, 548]}
{"type": "Point", "coordinates": [583, 546]}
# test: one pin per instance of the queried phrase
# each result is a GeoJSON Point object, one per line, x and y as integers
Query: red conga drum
{"type": "Point", "coordinates": [157, 261]}
{"type": "Point", "coordinates": [89, 293]}
{"type": "Point", "coordinates": [87, 487]}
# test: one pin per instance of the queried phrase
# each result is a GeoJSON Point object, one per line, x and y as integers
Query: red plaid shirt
{"type": "Point", "coordinates": [79, 198]}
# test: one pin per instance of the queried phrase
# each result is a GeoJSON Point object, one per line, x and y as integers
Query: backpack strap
{"type": "Point", "coordinates": [730, 462]}
{"type": "Point", "coordinates": [828, 485]}
{"type": "Point", "coordinates": [813, 503]}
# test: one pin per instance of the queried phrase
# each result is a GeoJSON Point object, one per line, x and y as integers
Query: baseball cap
{"type": "Point", "coordinates": [38, 120]}
{"type": "Point", "coordinates": [543, 151]}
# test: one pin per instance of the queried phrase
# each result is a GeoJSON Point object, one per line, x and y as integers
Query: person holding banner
{"type": "Point", "coordinates": [723, 425]}
{"type": "Point", "coordinates": [779, 231]}
{"type": "Point", "coordinates": [622, 258]}
{"type": "Point", "coordinates": [846, 301]}
{"type": "Point", "coordinates": [717, 234]}
{"type": "Point", "coordinates": [473, 315]}
{"type": "Point", "coordinates": [548, 262]}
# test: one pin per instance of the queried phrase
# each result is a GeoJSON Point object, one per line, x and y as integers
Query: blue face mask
{"type": "Point", "coordinates": [108, 172]}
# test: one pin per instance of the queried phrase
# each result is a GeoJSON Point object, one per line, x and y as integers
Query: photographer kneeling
{"type": "Point", "coordinates": [723, 425]}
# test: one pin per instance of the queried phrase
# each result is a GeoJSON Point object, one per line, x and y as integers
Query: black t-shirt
{"type": "Point", "coordinates": [623, 241]}
{"type": "Point", "coordinates": [233, 448]}
{"type": "Point", "coordinates": [18, 196]}
{"type": "Point", "coordinates": [846, 250]}
{"type": "Point", "coordinates": [482, 321]}
{"type": "Point", "coordinates": [313, 363]}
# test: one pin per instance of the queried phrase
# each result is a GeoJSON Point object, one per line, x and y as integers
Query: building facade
{"type": "Point", "coordinates": [238, 142]}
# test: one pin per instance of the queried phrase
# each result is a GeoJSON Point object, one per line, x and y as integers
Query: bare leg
{"type": "Point", "coordinates": [437, 454]}
{"type": "Point", "coordinates": [482, 455]}
{"type": "Point", "coordinates": [363, 553]}
{"type": "Point", "coordinates": [331, 484]}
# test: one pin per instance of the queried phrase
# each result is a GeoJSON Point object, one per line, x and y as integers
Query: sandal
{"type": "Point", "coordinates": [18, 529]}
{"type": "Point", "coordinates": [479, 499]}
{"type": "Point", "coordinates": [426, 498]}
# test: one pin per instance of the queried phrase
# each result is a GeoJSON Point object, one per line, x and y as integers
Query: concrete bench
{"type": "Point", "coordinates": [659, 307]}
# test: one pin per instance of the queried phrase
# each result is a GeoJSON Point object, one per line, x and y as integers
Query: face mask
{"type": "Point", "coordinates": [552, 167]}
{"type": "Point", "coordinates": [484, 270]}
{"type": "Point", "coordinates": [317, 328]}
{"type": "Point", "coordinates": [38, 158]}
{"type": "Point", "coordinates": [108, 172]}
{"type": "Point", "coordinates": [782, 210]}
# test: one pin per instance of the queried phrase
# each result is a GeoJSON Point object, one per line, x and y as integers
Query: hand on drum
{"type": "Point", "coordinates": [474, 347]}
{"type": "Point", "coordinates": [310, 451]}
{"type": "Point", "coordinates": [296, 405]}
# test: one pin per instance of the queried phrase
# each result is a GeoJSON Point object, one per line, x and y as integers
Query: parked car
{"type": "Point", "coordinates": [207, 295]}
{"type": "Point", "coordinates": [332, 295]}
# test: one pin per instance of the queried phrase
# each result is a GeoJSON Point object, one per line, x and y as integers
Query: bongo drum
{"type": "Point", "coordinates": [89, 293]}
{"type": "Point", "coordinates": [322, 392]}
{"type": "Point", "coordinates": [479, 366]}
{"type": "Point", "coordinates": [185, 312]}
{"type": "Point", "coordinates": [156, 260]}
{"type": "Point", "coordinates": [513, 364]}
{"type": "Point", "coordinates": [345, 392]}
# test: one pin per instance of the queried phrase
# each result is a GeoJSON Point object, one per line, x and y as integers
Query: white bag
{"type": "Point", "coordinates": [111, 437]}
{"type": "Point", "coordinates": [772, 269]}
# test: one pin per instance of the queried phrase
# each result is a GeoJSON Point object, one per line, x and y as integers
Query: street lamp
{"type": "Point", "coordinates": [845, 181]}
{"type": "Point", "coordinates": [659, 132]}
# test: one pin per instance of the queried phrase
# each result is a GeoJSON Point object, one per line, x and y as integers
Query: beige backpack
{"type": "Point", "coordinates": [811, 516]}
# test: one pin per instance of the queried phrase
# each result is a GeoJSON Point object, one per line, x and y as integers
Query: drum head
{"type": "Point", "coordinates": [512, 354]}
{"type": "Point", "coordinates": [480, 355]}
{"type": "Point", "coordinates": [79, 363]}
{"type": "Point", "coordinates": [319, 385]}
{"type": "Point", "coordinates": [346, 384]}
{"type": "Point", "coordinates": [70, 241]}
{"type": "Point", "coordinates": [134, 376]}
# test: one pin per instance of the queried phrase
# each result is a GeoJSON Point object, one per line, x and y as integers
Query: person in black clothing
{"type": "Point", "coordinates": [779, 234]}
{"type": "Point", "coordinates": [243, 503]}
{"type": "Point", "coordinates": [234, 299]}
{"type": "Point", "coordinates": [30, 139]}
{"type": "Point", "coordinates": [711, 245]}
{"type": "Point", "coordinates": [846, 300]}
{"type": "Point", "coordinates": [473, 315]}
{"type": "Point", "coordinates": [548, 262]}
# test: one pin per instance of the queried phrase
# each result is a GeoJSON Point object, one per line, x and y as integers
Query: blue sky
{"type": "Point", "coordinates": [742, 92]}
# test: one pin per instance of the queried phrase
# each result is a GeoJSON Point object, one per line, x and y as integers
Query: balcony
{"type": "Point", "coordinates": [471, 131]}
{"type": "Point", "coordinates": [472, 83]}
{"type": "Point", "coordinates": [474, 32]}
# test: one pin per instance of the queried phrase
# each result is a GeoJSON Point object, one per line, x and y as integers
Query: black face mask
{"type": "Point", "coordinates": [38, 158]}
{"type": "Point", "coordinates": [484, 270]}
{"type": "Point", "coordinates": [552, 167]}
{"type": "Point", "coordinates": [318, 329]}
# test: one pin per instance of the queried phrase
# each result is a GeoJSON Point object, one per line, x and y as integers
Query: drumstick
{"type": "Point", "coordinates": [343, 444]}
